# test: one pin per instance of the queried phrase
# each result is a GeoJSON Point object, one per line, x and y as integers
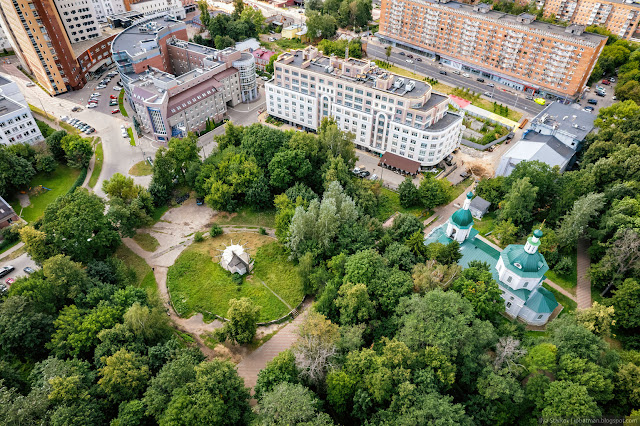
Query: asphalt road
{"type": "Point", "coordinates": [19, 263]}
{"type": "Point", "coordinates": [501, 94]}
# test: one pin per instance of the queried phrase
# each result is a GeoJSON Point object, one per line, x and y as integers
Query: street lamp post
{"type": "Point", "coordinates": [517, 97]}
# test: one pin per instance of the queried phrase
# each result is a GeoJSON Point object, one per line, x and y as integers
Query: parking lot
{"type": "Point", "coordinates": [603, 101]}
{"type": "Point", "coordinates": [81, 97]}
{"type": "Point", "coordinates": [19, 263]}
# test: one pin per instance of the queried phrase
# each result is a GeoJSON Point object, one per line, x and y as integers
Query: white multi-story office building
{"type": "Point", "coordinates": [4, 40]}
{"type": "Point", "coordinates": [79, 19]}
{"type": "Point", "coordinates": [17, 124]}
{"type": "Point", "coordinates": [385, 112]}
{"type": "Point", "coordinates": [104, 8]}
{"type": "Point", "coordinates": [152, 7]}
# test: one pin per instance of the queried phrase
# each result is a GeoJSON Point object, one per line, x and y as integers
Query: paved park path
{"type": "Point", "coordinates": [584, 281]}
{"type": "Point", "coordinates": [443, 213]}
{"type": "Point", "coordinates": [251, 365]}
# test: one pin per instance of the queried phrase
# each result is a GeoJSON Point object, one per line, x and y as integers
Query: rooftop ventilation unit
{"type": "Point", "coordinates": [398, 83]}
{"type": "Point", "coordinates": [410, 86]}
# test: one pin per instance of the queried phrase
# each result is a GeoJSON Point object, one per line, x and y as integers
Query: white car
{"type": "Point", "coordinates": [466, 75]}
{"type": "Point", "coordinates": [272, 39]}
{"type": "Point", "coordinates": [92, 105]}
{"type": "Point", "coordinates": [102, 86]}
{"type": "Point", "coordinates": [409, 61]}
{"type": "Point", "coordinates": [64, 118]}
{"type": "Point", "coordinates": [30, 84]}
{"type": "Point", "coordinates": [96, 94]}
{"type": "Point", "coordinates": [118, 88]}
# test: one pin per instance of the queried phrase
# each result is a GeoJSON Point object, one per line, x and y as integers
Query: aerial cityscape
{"type": "Point", "coordinates": [319, 212]}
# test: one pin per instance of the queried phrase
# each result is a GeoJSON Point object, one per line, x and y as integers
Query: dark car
{"type": "Point", "coordinates": [592, 102]}
{"type": "Point", "coordinates": [29, 270]}
{"type": "Point", "coordinates": [200, 201]}
{"type": "Point", "coordinates": [419, 59]}
{"type": "Point", "coordinates": [443, 72]}
{"type": "Point", "coordinates": [601, 94]}
{"type": "Point", "coordinates": [449, 160]}
{"type": "Point", "coordinates": [410, 56]}
{"type": "Point", "coordinates": [510, 135]}
{"type": "Point", "coordinates": [401, 53]}
{"type": "Point", "coordinates": [6, 270]}
{"type": "Point", "coordinates": [364, 174]}
{"type": "Point", "coordinates": [481, 80]}
{"type": "Point", "coordinates": [465, 175]}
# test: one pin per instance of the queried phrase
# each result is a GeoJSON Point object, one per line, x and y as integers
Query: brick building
{"type": "Point", "coordinates": [517, 51]}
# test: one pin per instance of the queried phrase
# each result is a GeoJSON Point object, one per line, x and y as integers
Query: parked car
{"type": "Point", "coordinates": [606, 82]}
{"type": "Point", "coordinates": [374, 177]}
{"type": "Point", "coordinates": [481, 80]}
{"type": "Point", "coordinates": [449, 160]}
{"type": "Point", "coordinates": [612, 79]}
{"type": "Point", "coordinates": [6, 270]}
{"type": "Point", "coordinates": [410, 56]}
{"type": "Point", "coordinates": [92, 106]}
{"type": "Point", "coordinates": [443, 72]}
{"type": "Point", "coordinates": [488, 94]}
{"type": "Point", "coordinates": [113, 97]}
{"type": "Point", "coordinates": [30, 84]}
{"type": "Point", "coordinates": [64, 118]}
{"type": "Point", "coordinates": [511, 135]}
{"type": "Point", "coordinates": [272, 39]}
{"type": "Point", "coordinates": [410, 61]}
{"type": "Point", "coordinates": [364, 174]}
{"type": "Point", "coordinates": [465, 174]}
{"type": "Point", "coordinates": [402, 53]}
{"type": "Point", "coordinates": [115, 111]}
{"type": "Point", "coordinates": [592, 102]}
{"type": "Point", "coordinates": [601, 94]}
{"type": "Point", "coordinates": [540, 101]}
{"type": "Point", "coordinates": [199, 201]}
{"type": "Point", "coordinates": [3, 288]}
{"type": "Point", "coordinates": [419, 59]}
{"type": "Point", "coordinates": [466, 75]}
{"type": "Point", "coordinates": [116, 87]}
{"type": "Point", "coordinates": [10, 281]}
{"type": "Point", "coordinates": [588, 109]}
{"type": "Point", "coordinates": [529, 97]}
{"type": "Point", "coordinates": [491, 85]}
{"type": "Point", "coordinates": [29, 270]}
{"type": "Point", "coordinates": [76, 109]}
{"type": "Point", "coordinates": [113, 103]}
{"type": "Point", "coordinates": [150, 161]}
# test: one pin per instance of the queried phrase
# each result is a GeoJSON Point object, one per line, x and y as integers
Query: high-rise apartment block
{"type": "Point", "coordinates": [175, 86]}
{"type": "Point", "coordinates": [620, 17]}
{"type": "Point", "coordinates": [104, 8]}
{"type": "Point", "coordinates": [517, 51]}
{"type": "Point", "coordinates": [386, 113]}
{"type": "Point", "coordinates": [79, 19]}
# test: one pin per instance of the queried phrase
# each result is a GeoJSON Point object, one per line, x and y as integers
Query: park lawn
{"type": "Point", "coordinates": [158, 213]}
{"type": "Point", "coordinates": [570, 281]}
{"type": "Point", "coordinates": [272, 267]}
{"type": "Point", "coordinates": [146, 241]}
{"type": "Point", "coordinates": [59, 182]}
{"type": "Point", "coordinates": [390, 203]}
{"type": "Point", "coordinates": [141, 168]}
{"type": "Point", "coordinates": [144, 277]}
{"type": "Point", "coordinates": [486, 224]}
{"type": "Point", "coordinates": [97, 167]}
{"type": "Point", "coordinates": [197, 282]}
{"type": "Point", "coordinates": [569, 305]}
{"type": "Point", "coordinates": [248, 217]}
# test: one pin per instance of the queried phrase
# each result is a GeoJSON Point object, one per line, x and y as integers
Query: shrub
{"type": "Point", "coordinates": [215, 230]}
{"type": "Point", "coordinates": [564, 266]}
{"type": "Point", "coordinates": [198, 237]}
{"type": "Point", "coordinates": [262, 231]}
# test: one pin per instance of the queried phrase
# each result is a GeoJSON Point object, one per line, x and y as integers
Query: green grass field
{"type": "Point", "coordinates": [390, 203]}
{"type": "Point", "coordinates": [248, 217]}
{"type": "Point", "coordinates": [569, 305]}
{"type": "Point", "coordinates": [456, 190]}
{"type": "Point", "coordinates": [97, 167]}
{"type": "Point", "coordinates": [141, 168]}
{"type": "Point", "coordinates": [485, 225]}
{"type": "Point", "coordinates": [570, 281]}
{"type": "Point", "coordinates": [58, 182]}
{"type": "Point", "coordinates": [144, 277]}
{"type": "Point", "coordinates": [197, 283]}
{"type": "Point", "coordinates": [146, 241]}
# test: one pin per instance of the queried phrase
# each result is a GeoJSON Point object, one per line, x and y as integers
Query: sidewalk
{"type": "Point", "coordinates": [444, 212]}
{"type": "Point", "coordinates": [583, 289]}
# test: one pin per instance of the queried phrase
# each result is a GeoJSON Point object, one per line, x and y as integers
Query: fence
{"type": "Point", "coordinates": [482, 147]}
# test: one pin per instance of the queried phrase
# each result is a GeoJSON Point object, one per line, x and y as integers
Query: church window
{"type": "Point", "coordinates": [509, 278]}
{"type": "Point", "coordinates": [526, 284]}
{"type": "Point", "coordinates": [508, 305]}
{"type": "Point", "coordinates": [539, 316]}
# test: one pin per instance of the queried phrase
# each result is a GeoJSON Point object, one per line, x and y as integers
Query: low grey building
{"type": "Point", "coordinates": [536, 147]}
{"type": "Point", "coordinates": [569, 125]}
{"type": "Point", "coordinates": [479, 207]}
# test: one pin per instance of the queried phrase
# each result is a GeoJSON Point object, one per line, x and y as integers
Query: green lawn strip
{"type": "Point", "coordinates": [197, 283]}
{"type": "Point", "coordinates": [143, 273]}
{"type": "Point", "coordinates": [68, 128]}
{"type": "Point", "coordinates": [121, 104]}
{"type": "Point", "coordinates": [456, 190]}
{"type": "Point", "coordinates": [97, 166]}
{"type": "Point", "coordinates": [59, 182]}
{"type": "Point", "coordinates": [246, 216]}
{"type": "Point", "coordinates": [390, 203]}
{"type": "Point", "coordinates": [272, 267]}
{"type": "Point", "coordinates": [42, 113]}
{"type": "Point", "coordinates": [568, 282]}
{"type": "Point", "coordinates": [141, 168]}
{"type": "Point", "coordinates": [146, 241]}
{"type": "Point", "coordinates": [486, 224]}
{"type": "Point", "coordinates": [5, 245]}
{"type": "Point", "coordinates": [132, 141]}
{"type": "Point", "coordinates": [569, 305]}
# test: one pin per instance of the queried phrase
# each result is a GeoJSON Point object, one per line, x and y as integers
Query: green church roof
{"type": "Point", "coordinates": [462, 217]}
{"type": "Point", "coordinates": [526, 265]}
{"type": "Point", "coordinates": [542, 301]}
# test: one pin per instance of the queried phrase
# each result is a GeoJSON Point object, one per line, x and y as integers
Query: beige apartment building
{"type": "Point", "coordinates": [41, 43]}
{"type": "Point", "coordinates": [518, 51]}
{"type": "Point", "coordinates": [619, 17]}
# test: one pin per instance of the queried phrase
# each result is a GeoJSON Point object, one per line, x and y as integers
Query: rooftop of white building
{"type": "Point", "coordinates": [7, 106]}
